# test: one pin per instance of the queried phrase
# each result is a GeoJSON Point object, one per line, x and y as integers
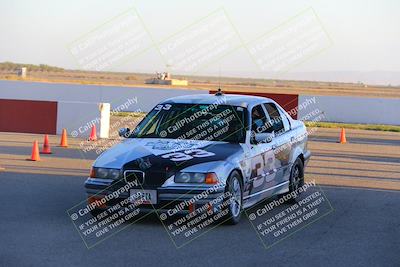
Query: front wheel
{"type": "Point", "coordinates": [234, 197]}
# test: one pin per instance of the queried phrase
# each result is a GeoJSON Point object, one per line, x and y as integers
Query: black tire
{"type": "Point", "coordinates": [233, 184]}
{"type": "Point", "coordinates": [296, 176]}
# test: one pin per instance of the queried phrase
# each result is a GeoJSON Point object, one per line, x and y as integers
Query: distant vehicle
{"type": "Point", "coordinates": [248, 145]}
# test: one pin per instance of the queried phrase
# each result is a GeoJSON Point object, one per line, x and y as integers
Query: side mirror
{"type": "Point", "coordinates": [263, 138]}
{"type": "Point", "coordinates": [124, 132]}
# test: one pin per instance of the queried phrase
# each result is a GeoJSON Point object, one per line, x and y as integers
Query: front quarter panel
{"type": "Point", "coordinates": [299, 143]}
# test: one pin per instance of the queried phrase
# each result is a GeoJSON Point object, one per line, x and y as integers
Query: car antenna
{"type": "Point", "coordinates": [219, 92]}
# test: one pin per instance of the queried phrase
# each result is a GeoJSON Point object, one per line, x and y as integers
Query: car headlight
{"type": "Point", "coordinates": [196, 177]}
{"type": "Point", "coordinates": [105, 173]}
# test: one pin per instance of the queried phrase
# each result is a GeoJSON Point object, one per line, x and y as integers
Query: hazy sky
{"type": "Point", "coordinates": [365, 34]}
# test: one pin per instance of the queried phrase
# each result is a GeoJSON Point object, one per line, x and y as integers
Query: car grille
{"type": "Point", "coordinates": [147, 179]}
{"type": "Point", "coordinates": [134, 175]}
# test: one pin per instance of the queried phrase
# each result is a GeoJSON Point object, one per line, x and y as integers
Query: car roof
{"type": "Point", "coordinates": [246, 101]}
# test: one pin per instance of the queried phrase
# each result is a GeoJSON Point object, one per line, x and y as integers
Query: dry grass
{"type": "Point", "coordinates": [210, 83]}
{"type": "Point", "coordinates": [372, 127]}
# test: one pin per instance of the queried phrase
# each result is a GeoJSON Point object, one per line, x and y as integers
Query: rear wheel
{"type": "Point", "coordinates": [234, 198]}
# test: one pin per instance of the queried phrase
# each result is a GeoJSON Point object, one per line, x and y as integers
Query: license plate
{"type": "Point", "coordinates": [144, 196]}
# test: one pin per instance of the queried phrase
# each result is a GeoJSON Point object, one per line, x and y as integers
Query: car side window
{"type": "Point", "coordinates": [285, 121]}
{"type": "Point", "coordinates": [276, 122]}
{"type": "Point", "coordinates": [258, 120]}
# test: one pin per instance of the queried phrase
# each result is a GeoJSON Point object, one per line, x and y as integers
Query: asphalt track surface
{"type": "Point", "coordinates": [360, 181]}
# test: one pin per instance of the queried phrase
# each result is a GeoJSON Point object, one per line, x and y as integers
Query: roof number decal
{"type": "Point", "coordinates": [164, 107]}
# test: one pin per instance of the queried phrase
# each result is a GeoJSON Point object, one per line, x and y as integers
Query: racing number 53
{"type": "Point", "coordinates": [188, 155]}
{"type": "Point", "coordinates": [164, 107]}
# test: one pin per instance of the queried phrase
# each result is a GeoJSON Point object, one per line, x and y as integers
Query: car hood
{"type": "Point", "coordinates": [151, 153]}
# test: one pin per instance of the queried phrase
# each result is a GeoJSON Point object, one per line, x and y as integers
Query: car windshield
{"type": "Point", "coordinates": [194, 122]}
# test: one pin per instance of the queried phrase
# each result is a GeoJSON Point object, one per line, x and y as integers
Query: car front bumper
{"type": "Point", "coordinates": [167, 197]}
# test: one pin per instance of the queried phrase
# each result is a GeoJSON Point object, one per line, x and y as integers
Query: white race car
{"type": "Point", "coordinates": [231, 150]}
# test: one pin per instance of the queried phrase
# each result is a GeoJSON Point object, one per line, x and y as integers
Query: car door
{"type": "Point", "coordinates": [283, 141]}
{"type": "Point", "coordinates": [261, 158]}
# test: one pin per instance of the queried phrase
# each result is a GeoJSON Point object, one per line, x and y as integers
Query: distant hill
{"type": "Point", "coordinates": [387, 78]}
{"type": "Point", "coordinates": [30, 67]}
{"type": "Point", "coordinates": [306, 83]}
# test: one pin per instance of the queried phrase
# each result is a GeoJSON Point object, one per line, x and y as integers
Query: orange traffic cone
{"type": "Point", "coordinates": [64, 142]}
{"type": "Point", "coordinates": [46, 146]}
{"type": "Point", "coordinates": [35, 152]}
{"type": "Point", "coordinates": [342, 139]}
{"type": "Point", "coordinates": [93, 135]}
